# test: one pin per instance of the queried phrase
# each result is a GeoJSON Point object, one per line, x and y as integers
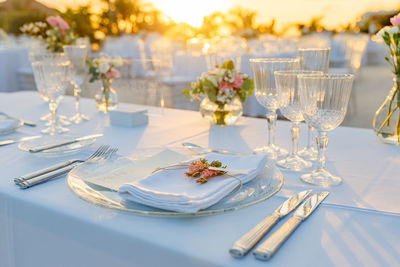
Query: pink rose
{"type": "Point", "coordinates": [223, 86]}
{"type": "Point", "coordinates": [58, 22]}
{"type": "Point", "coordinates": [395, 20]}
{"type": "Point", "coordinates": [112, 73]}
{"type": "Point", "coordinates": [237, 82]}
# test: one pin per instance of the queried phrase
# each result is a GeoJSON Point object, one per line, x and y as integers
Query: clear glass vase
{"type": "Point", "coordinates": [386, 122]}
{"type": "Point", "coordinates": [226, 114]}
{"type": "Point", "coordinates": [107, 98]}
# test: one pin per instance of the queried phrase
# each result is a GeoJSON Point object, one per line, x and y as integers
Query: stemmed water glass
{"type": "Point", "coordinates": [290, 107]}
{"type": "Point", "coordinates": [41, 55]}
{"type": "Point", "coordinates": [77, 56]}
{"type": "Point", "coordinates": [324, 99]}
{"type": "Point", "coordinates": [52, 75]}
{"type": "Point", "coordinates": [312, 59]}
{"type": "Point", "coordinates": [267, 95]}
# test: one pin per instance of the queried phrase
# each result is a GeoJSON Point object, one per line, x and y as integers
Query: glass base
{"type": "Point", "coordinates": [272, 151]}
{"type": "Point", "coordinates": [78, 118]}
{"type": "Point", "coordinates": [308, 153]}
{"type": "Point", "coordinates": [60, 119]}
{"type": "Point", "coordinates": [294, 163]}
{"type": "Point", "coordinates": [52, 130]}
{"type": "Point", "coordinates": [46, 117]}
{"type": "Point", "coordinates": [321, 178]}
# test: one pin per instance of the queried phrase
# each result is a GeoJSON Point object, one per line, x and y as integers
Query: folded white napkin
{"type": "Point", "coordinates": [6, 124]}
{"type": "Point", "coordinates": [170, 189]}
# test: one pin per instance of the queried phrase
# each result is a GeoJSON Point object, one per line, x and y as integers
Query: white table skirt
{"type": "Point", "coordinates": [48, 225]}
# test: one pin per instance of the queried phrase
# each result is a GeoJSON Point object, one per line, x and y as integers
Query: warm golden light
{"type": "Point", "coordinates": [191, 12]}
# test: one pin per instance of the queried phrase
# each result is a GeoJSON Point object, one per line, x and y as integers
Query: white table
{"type": "Point", "coordinates": [48, 225]}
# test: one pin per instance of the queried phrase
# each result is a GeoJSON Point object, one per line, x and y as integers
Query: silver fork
{"type": "Point", "coordinates": [100, 151]}
{"type": "Point", "coordinates": [104, 154]}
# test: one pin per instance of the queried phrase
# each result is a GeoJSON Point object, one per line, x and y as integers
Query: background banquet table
{"type": "Point", "coordinates": [48, 225]}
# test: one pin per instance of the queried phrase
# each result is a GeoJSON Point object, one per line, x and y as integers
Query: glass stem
{"type": "Point", "coordinates": [310, 136]}
{"type": "Point", "coordinates": [271, 120]}
{"type": "Point", "coordinates": [53, 111]}
{"type": "Point", "coordinates": [77, 92]}
{"type": "Point", "coordinates": [322, 142]}
{"type": "Point", "coordinates": [295, 132]}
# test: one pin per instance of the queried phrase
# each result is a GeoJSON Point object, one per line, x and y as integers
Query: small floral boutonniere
{"type": "Point", "coordinates": [200, 169]}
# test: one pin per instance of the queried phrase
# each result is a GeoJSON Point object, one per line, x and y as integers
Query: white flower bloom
{"type": "Point", "coordinates": [103, 67]}
{"type": "Point", "coordinates": [393, 30]}
{"type": "Point", "coordinates": [383, 30]}
{"type": "Point", "coordinates": [35, 29]}
{"type": "Point", "coordinates": [117, 61]}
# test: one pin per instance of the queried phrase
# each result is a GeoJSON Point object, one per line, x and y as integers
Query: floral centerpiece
{"type": "Point", "coordinates": [224, 89]}
{"type": "Point", "coordinates": [55, 33]}
{"type": "Point", "coordinates": [386, 122]}
{"type": "Point", "coordinates": [103, 69]}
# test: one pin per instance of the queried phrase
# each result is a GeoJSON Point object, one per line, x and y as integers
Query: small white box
{"type": "Point", "coordinates": [128, 117]}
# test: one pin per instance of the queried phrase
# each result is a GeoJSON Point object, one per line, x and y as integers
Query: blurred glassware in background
{"type": "Point", "coordinates": [162, 52]}
{"type": "Point", "coordinates": [312, 59]}
{"type": "Point", "coordinates": [77, 56]}
{"type": "Point", "coordinates": [324, 99]}
{"type": "Point", "coordinates": [52, 76]}
{"type": "Point", "coordinates": [267, 95]}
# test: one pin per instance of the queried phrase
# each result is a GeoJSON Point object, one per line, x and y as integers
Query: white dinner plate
{"type": "Point", "coordinates": [265, 185]}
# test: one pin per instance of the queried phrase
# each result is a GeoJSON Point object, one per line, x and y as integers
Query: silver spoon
{"type": "Point", "coordinates": [200, 149]}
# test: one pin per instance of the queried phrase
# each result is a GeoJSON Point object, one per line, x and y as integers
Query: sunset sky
{"type": "Point", "coordinates": [335, 12]}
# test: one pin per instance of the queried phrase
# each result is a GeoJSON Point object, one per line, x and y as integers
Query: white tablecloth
{"type": "Point", "coordinates": [48, 225]}
{"type": "Point", "coordinates": [11, 60]}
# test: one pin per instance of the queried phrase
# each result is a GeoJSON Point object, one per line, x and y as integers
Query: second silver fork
{"type": "Point", "coordinates": [44, 175]}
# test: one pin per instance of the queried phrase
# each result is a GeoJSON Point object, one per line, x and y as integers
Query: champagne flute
{"type": "Point", "coordinates": [312, 59]}
{"type": "Point", "coordinates": [267, 95]}
{"type": "Point", "coordinates": [324, 99]}
{"type": "Point", "coordinates": [53, 76]}
{"type": "Point", "coordinates": [77, 55]}
{"type": "Point", "coordinates": [289, 99]}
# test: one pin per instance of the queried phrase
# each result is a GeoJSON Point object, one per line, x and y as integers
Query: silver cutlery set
{"type": "Point", "coordinates": [267, 249]}
{"type": "Point", "coordinates": [240, 248]}
{"type": "Point", "coordinates": [37, 177]}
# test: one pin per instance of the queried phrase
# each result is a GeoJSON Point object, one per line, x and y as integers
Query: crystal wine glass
{"type": "Point", "coordinates": [53, 77]}
{"type": "Point", "coordinates": [77, 56]}
{"type": "Point", "coordinates": [41, 55]}
{"type": "Point", "coordinates": [290, 107]}
{"type": "Point", "coordinates": [312, 59]}
{"type": "Point", "coordinates": [267, 95]}
{"type": "Point", "coordinates": [324, 99]}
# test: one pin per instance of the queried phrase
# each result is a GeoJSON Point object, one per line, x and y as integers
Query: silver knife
{"type": "Point", "coordinates": [201, 149]}
{"type": "Point", "coordinates": [266, 249]}
{"type": "Point", "coordinates": [16, 140]}
{"type": "Point", "coordinates": [64, 143]}
{"type": "Point", "coordinates": [246, 242]}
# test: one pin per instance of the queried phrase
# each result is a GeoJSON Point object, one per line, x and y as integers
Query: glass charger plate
{"type": "Point", "coordinates": [265, 185]}
{"type": "Point", "coordinates": [59, 151]}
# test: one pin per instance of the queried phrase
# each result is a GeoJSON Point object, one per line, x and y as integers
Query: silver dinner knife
{"type": "Point", "coordinates": [246, 242]}
{"type": "Point", "coordinates": [16, 140]}
{"type": "Point", "coordinates": [76, 140]}
{"type": "Point", "coordinates": [201, 149]}
{"type": "Point", "coordinates": [266, 249]}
